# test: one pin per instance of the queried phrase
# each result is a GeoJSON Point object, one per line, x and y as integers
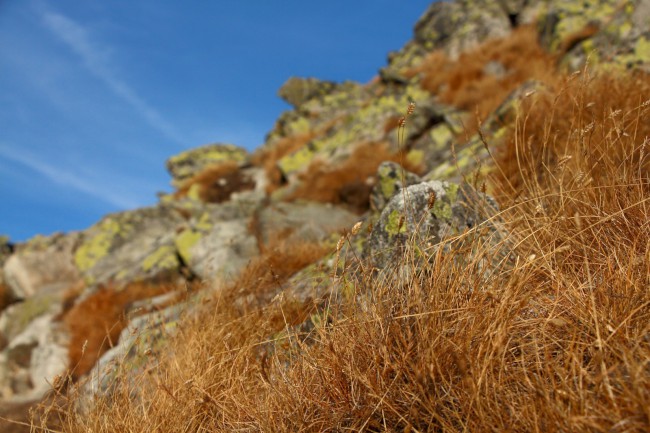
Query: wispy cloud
{"type": "Point", "coordinates": [66, 178]}
{"type": "Point", "coordinates": [96, 60]}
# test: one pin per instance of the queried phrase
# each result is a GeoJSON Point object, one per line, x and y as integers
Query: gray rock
{"type": "Point", "coordinates": [43, 262]}
{"type": "Point", "coordinates": [423, 215]}
{"type": "Point", "coordinates": [391, 178]}
{"type": "Point", "coordinates": [218, 243]}
{"type": "Point", "coordinates": [129, 246]}
{"type": "Point", "coordinates": [455, 27]}
{"type": "Point", "coordinates": [139, 345]}
{"type": "Point", "coordinates": [33, 359]}
{"type": "Point", "coordinates": [307, 221]}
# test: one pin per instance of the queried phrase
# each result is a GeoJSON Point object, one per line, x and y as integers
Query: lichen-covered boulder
{"type": "Point", "coordinates": [600, 32]}
{"type": "Point", "coordinates": [296, 90]}
{"type": "Point", "coordinates": [321, 111]}
{"type": "Point", "coordinates": [186, 164]}
{"type": "Point", "coordinates": [44, 262]}
{"type": "Point", "coordinates": [217, 243]}
{"type": "Point", "coordinates": [129, 246]}
{"type": "Point", "coordinates": [362, 126]}
{"type": "Point", "coordinates": [423, 215]}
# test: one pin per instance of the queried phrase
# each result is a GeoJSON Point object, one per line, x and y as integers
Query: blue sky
{"type": "Point", "coordinates": [95, 95]}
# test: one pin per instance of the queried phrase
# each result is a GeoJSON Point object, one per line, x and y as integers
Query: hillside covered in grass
{"type": "Point", "coordinates": [460, 244]}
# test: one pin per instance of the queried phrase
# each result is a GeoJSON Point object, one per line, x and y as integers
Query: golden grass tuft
{"type": "Point", "coordinates": [347, 182]}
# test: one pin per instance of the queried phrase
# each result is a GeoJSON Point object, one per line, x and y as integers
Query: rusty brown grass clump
{"type": "Point", "coordinates": [556, 337]}
{"type": "Point", "coordinates": [95, 323]}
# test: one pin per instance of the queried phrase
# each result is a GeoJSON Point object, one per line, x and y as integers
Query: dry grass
{"type": "Point", "coordinates": [558, 339]}
{"type": "Point", "coordinates": [589, 129]}
{"type": "Point", "coordinates": [267, 274]}
{"type": "Point", "coordinates": [350, 181]}
{"type": "Point", "coordinates": [466, 84]}
{"type": "Point", "coordinates": [95, 323]}
{"type": "Point", "coordinates": [217, 182]}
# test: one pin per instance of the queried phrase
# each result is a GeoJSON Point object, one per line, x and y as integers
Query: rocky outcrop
{"type": "Point", "coordinates": [130, 246]}
{"type": "Point", "coordinates": [229, 205]}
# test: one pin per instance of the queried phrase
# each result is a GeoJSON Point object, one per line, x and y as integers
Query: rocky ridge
{"type": "Point", "coordinates": [331, 161]}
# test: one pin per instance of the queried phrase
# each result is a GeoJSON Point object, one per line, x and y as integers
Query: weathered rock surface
{"type": "Point", "coordinates": [602, 33]}
{"type": "Point", "coordinates": [130, 246]}
{"type": "Point", "coordinates": [306, 221]}
{"type": "Point", "coordinates": [424, 214]}
{"type": "Point", "coordinates": [33, 359]}
{"type": "Point", "coordinates": [43, 262]}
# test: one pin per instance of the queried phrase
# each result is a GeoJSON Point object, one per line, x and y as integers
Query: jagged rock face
{"type": "Point", "coordinates": [43, 263]}
{"type": "Point", "coordinates": [185, 165]}
{"type": "Point", "coordinates": [455, 27]}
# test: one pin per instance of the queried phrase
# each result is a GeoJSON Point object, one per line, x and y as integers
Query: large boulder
{"type": "Point", "coordinates": [365, 125]}
{"type": "Point", "coordinates": [191, 162]}
{"type": "Point", "coordinates": [391, 179]}
{"type": "Point", "coordinates": [43, 263]}
{"type": "Point", "coordinates": [129, 246]}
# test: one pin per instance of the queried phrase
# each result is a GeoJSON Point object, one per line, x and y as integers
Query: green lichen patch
{"type": "Point", "coordinates": [98, 246]}
{"type": "Point", "coordinates": [185, 241]}
{"type": "Point", "coordinates": [164, 258]}
{"type": "Point", "coordinates": [442, 206]}
{"type": "Point", "coordinates": [396, 223]}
